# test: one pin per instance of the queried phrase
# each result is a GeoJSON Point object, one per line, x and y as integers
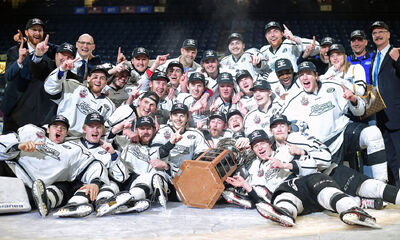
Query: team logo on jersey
{"type": "Point", "coordinates": [102, 152]}
{"type": "Point", "coordinates": [107, 107]}
{"type": "Point", "coordinates": [257, 120]}
{"type": "Point", "coordinates": [85, 108]}
{"type": "Point", "coordinates": [66, 146]}
{"type": "Point", "coordinates": [330, 90]}
{"type": "Point", "coordinates": [284, 50]}
{"type": "Point", "coordinates": [304, 101]}
{"type": "Point", "coordinates": [167, 135]}
{"type": "Point", "coordinates": [260, 173]}
{"type": "Point", "coordinates": [40, 134]}
{"type": "Point", "coordinates": [191, 136]}
{"type": "Point", "coordinates": [46, 150]}
{"type": "Point", "coordinates": [83, 93]}
{"type": "Point", "coordinates": [319, 109]}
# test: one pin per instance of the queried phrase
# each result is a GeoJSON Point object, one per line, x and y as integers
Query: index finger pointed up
{"type": "Point", "coordinates": [286, 28]}
{"type": "Point", "coordinates": [21, 46]}
{"type": "Point", "coordinates": [313, 40]}
{"type": "Point", "coordinates": [46, 40]}
{"type": "Point", "coordinates": [166, 55]}
{"type": "Point", "coordinates": [119, 51]}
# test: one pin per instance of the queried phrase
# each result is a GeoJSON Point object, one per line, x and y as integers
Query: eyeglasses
{"type": "Point", "coordinates": [86, 43]}
{"type": "Point", "coordinates": [378, 33]}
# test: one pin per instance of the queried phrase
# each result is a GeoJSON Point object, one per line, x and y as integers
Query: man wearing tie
{"type": "Point", "coordinates": [385, 74]}
{"type": "Point", "coordinates": [86, 60]}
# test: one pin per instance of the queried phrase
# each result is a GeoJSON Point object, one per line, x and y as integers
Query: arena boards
{"type": "Point", "coordinates": [182, 222]}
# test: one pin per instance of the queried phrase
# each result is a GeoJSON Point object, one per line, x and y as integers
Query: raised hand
{"type": "Point", "coordinates": [237, 97]}
{"type": "Point", "coordinates": [183, 81]}
{"type": "Point", "coordinates": [295, 150]}
{"type": "Point", "coordinates": [107, 146]}
{"type": "Point", "coordinates": [289, 35]}
{"type": "Point", "coordinates": [348, 94]}
{"type": "Point", "coordinates": [160, 60]}
{"type": "Point", "coordinates": [68, 64]}
{"type": "Point", "coordinates": [309, 49]}
{"type": "Point", "coordinates": [213, 106]}
{"type": "Point", "coordinates": [394, 53]}
{"type": "Point", "coordinates": [177, 136]}
{"type": "Point", "coordinates": [42, 47]}
{"type": "Point", "coordinates": [255, 60]}
{"type": "Point", "coordinates": [120, 57]}
{"type": "Point", "coordinates": [22, 52]}
{"type": "Point", "coordinates": [18, 37]}
{"type": "Point", "coordinates": [135, 93]}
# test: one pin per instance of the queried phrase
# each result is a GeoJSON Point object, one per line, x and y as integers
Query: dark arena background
{"type": "Point", "coordinates": [161, 26]}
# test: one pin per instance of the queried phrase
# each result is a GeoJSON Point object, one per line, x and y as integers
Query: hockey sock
{"type": "Point", "coordinates": [54, 195]}
{"type": "Point", "coordinates": [140, 192]}
{"type": "Point", "coordinates": [372, 188]}
{"type": "Point", "coordinates": [289, 202]}
{"type": "Point", "coordinates": [80, 197]}
{"type": "Point", "coordinates": [106, 192]}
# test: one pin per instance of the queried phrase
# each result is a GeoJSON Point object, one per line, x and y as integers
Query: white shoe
{"type": "Point", "coordinates": [75, 210]}
{"type": "Point", "coordinates": [113, 203]}
{"type": "Point", "coordinates": [133, 206]}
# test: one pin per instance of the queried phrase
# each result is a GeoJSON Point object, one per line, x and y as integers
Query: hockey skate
{"type": "Point", "coordinates": [263, 193]}
{"type": "Point", "coordinates": [112, 203]}
{"type": "Point", "coordinates": [371, 203]}
{"type": "Point", "coordinates": [133, 206]}
{"type": "Point", "coordinates": [160, 190]}
{"type": "Point", "coordinates": [233, 197]}
{"type": "Point", "coordinates": [40, 197]}
{"type": "Point", "coordinates": [75, 210]}
{"type": "Point", "coordinates": [357, 216]}
{"type": "Point", "coordinates": [275, 214]}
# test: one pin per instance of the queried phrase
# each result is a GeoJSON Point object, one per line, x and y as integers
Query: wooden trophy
{"type": "Point", "coordinates": [200, 182]}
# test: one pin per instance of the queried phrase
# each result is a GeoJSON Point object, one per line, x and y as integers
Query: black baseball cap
{"type": "Point", "coordinates": [306, 65]}
{"type": "Point", "coordinates": [179, 107]}
{"type": "Point", "coordinates": [278, 118]}
{"type": "Point", "coordinates": [59, 118]}
{"type": "Point", "coordinates": [209, 54]}
{"type": "Point", "coordinates": [238, 135]}
{"type": "Point", "coordinates": [145, 121]}
{"type": "Point", "coordinates": [225, 78]}
{"type": "Point", "coordinates": [100, 68]}
{"type": "Point", "coordinates": [197, 77]}
{"type": "Point", "coordinates": [189, 43]}
{"type": "Point", "coordinates": [327, 41]}
{"type": "Point", "coordinates": [261, 84]}
{"type": "Point", "coordinates": [218, 114]}
{"type": "Point", "coordinates": [94, 117]}
{"type": "Point", "coordinates": [67, 47]}
{"type": "Point", "coordinates": [152, 95]}
{"type": "Point", "coordinates": [34, 21]}
{"type": "Point", "coordinates": [233, 112]}
{"type": "Point", "coordinates": [283, 64]}
{"type": "Point", "coordinates": [159, 75]}
{"type": "Point", "coordinates": [378, 24]}
{"type": "Point", "coordinates": [175, 64]}
{"type": "Point", "coordinates": [242, 73]}
{"type": "Point", "coordinates": [140, 51]}
{"type": "Point", "coordinates": [272, 24]}
{"type": "Point", "coordinates": [358, 33]}
{"type": "Point", "coordinates": [258, 135]}
{"type": "Point", "coordinates": [336, 47]}
{"type": "Point", "coordinates": [234, 36]}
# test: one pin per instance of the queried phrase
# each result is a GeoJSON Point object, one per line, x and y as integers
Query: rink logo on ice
{"type": "Point", "coordinates": [319, 109]}
{"type": "Point", "coordinates": [11, 206]}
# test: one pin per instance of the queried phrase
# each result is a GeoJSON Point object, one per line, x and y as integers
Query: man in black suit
{"type": "Point", "coordinates": [17, 73]}
{"type": "Point", "coordinates": [385, 74]}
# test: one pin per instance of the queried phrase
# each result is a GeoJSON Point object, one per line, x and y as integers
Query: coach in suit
{"type": "Point", "coordinates": [385, 74]}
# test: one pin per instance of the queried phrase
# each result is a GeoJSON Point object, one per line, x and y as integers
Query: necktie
{"type": "Point", "coordinates": [376, 70]}
{"type": "Point", "coordinates": [82, 69]}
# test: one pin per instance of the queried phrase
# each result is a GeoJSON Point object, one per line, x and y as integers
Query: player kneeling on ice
{"type": "Point", "coordinates": [49, 165]}
{"type": "Point", "coordinates": [139, 172]}
{"type": "Point", "coordinates": [293, 194]}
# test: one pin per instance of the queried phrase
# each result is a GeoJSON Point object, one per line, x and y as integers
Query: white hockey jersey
{"type": "Point", "coordinates": [257, 119]}
{"type": "Point", "coordinates": [323, 111]}
{"type": "Point", "coordinates": [50, 162]}
{"type": "Point", "coordinates": [232, 65]}
{"type": "Point", "coordinates": [75, 101]}
{"type": "Point", "coordinates": [190, 146]}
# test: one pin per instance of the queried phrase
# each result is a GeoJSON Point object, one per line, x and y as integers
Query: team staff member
{"type": "Point", "coordinates": [385, 74]}
{"type": "Point", "coordinates": [361, 55]}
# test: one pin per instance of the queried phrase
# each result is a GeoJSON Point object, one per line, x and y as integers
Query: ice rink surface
{"type": "Point", "coordinates": [181, 222]}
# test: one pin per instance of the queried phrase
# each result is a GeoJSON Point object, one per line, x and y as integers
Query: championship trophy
{"type": "Point", "coordinates": [200, 182]}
